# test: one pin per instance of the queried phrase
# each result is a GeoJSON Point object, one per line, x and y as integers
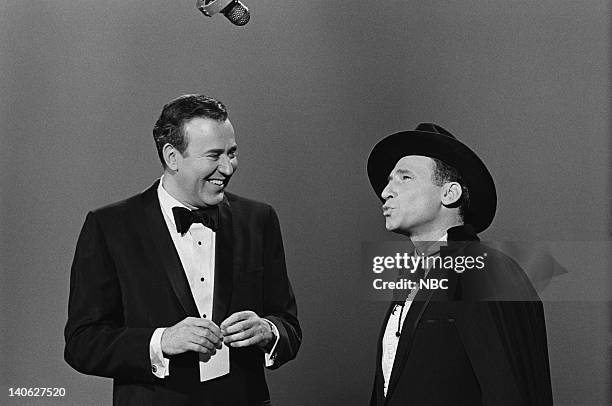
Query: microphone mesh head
{"type": "Point", "coordinates": [237, 13]}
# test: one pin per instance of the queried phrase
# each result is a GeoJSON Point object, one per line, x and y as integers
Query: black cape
{"type": "Point", "coordinates": [481, 341]}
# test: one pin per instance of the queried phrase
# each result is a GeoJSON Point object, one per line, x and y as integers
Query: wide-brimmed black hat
{"type": "Point", "coordinates": [433, 141]}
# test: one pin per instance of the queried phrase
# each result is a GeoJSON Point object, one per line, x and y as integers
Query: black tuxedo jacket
{"type": "Point", "coordinates": [127, 279]}
{"type": "Point", "coordinates": [480, 342]}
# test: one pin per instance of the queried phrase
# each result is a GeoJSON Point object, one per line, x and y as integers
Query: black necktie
{"type": "Point", "coordinates": [184, 218]}
{"type": "Point", "coordinates": [400, 295]}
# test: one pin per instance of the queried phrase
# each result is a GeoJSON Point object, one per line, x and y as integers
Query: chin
{"type": "Point", "coordinates": [213, 200]}
{"type": "Point", "coordinates": [390, 226]}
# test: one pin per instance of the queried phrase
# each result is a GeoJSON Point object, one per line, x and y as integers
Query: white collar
{"type": "Point", "coordinates": [167, 201]}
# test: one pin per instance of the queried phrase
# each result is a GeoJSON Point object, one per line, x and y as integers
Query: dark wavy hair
{"type": "Point", "coordinates": [442, 173]}
{"type": "Point", "coordinates": [169, 128]}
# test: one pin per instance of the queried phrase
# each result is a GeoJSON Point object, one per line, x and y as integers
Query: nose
{"type": "Point", "coordinates": [225, 166]}
{"type": "Point", "coordinates": [387, 192]}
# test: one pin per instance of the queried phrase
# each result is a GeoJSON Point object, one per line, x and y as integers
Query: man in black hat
{"type": "Point", "coordinates": [481, 339]}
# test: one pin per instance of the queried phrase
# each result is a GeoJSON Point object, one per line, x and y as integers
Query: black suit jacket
{"type": "Point", "coordinates": [127, 279]}
{"type": "Point", "coordinates": [482, 341]}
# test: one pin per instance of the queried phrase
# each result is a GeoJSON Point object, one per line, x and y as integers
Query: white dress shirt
{"type": "Point", "coordinates": [196, 250]}
{"type": "Point", "coordinates": [395, 324]}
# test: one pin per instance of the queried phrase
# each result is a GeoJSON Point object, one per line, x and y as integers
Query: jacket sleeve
{"type": "Point", "coordinates": [97, 340]}
{"type": "Point", "coordinates": [279, 301]}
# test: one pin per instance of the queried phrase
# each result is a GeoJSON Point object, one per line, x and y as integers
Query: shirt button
{"type": "Point", "coordinates": [199, 242]}
{"type": "Point", "coordinates": [201, 279]}
{"type": "Point", "coordinates": [204, 315]}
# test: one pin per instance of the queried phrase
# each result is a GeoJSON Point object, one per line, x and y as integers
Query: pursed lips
{"type": "Point", "coordinates": [386, 210]}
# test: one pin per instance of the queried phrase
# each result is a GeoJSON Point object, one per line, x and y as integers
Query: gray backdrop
{"type": "Point", "coordinates": [310, 86]}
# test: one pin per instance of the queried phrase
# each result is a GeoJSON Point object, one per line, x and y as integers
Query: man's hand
{"type": "Point", "coordinates": [192, 334]}
{"type": "Point", "coordinates": [246, 328]}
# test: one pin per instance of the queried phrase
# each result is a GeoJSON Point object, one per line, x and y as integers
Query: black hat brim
{"type": "Point", "coordinates": [483, 197]}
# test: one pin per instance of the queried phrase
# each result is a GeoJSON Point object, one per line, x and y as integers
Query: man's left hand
{"type": "Point", "coordinates": [246, 328]}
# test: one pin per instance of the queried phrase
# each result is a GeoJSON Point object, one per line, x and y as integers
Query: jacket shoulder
{"type": "Point", "coordinates": [122, 208]}
{"type": "Point", "coordinates": [244, 203]}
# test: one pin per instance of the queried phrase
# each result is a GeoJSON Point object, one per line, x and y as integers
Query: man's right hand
{"type": "Point", "coordinates": [192, 334]}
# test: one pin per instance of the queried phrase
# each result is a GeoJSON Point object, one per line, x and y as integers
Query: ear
{"type": "Point", "coordinates": [170, 155]}
{"type": "Point", "coordinates": [451, 193]}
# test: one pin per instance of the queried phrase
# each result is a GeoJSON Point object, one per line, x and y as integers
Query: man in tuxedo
{"type": "Point", "coordinates": [480, 338]}
{"type": "Point", "coordinates": [180, 293]}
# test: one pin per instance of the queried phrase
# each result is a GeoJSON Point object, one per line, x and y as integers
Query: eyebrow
{"type": "Point", "coordinates": [400, 172]}
{"type": "Point", "coordinates": [221, 150]}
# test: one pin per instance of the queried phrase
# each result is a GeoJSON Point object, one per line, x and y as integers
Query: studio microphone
{"type": "Point", "coordinates": [233, 10]}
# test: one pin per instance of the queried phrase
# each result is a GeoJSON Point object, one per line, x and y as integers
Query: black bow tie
{"type": "Point", "coordinates": [184, 218]}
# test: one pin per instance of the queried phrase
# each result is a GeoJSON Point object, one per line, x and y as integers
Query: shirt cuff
{"type": "Point", "coordinates": [160, 366]}
{"type": "Point", "coordinates": [271, 356]}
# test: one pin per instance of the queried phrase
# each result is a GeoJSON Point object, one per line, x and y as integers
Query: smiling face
{"type": "Point", "coordinates": [199, 176]}
{"type": "Point", "coordinates": [413, 203]}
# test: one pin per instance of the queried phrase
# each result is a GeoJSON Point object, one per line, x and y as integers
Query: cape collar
{"type": "Point", "coordinates": [464, 232]}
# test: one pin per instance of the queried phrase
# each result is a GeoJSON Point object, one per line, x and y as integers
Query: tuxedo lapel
{"type": "Point", "coordinates": [463, 234]}
{"type": "Point", "coordinates": [161, 245]}
{"type": "Point", "coordinates": [415, 313]}
{"type": "Point", "coordinates": [224, 264]}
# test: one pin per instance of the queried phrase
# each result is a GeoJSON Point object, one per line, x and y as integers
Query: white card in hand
{"type": "Point", "coordinates": [218, 365]}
